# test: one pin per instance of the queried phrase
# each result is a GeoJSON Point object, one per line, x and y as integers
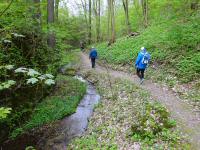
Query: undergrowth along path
{"type": "Point", "coordinates": [188, 120]}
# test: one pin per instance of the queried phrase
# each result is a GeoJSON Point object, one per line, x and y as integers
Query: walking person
{"type": "Point", "coordinates": [141, 63]}
{"type": "Point", "coordinates": [93, 56]}
{"type": "Point", "coordinates": [82, 45]}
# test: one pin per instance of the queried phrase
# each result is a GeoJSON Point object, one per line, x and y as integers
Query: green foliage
{"type": "Point", "coordinates": [189, 67]}
{"type": "Point", "coordinates": [30, 148]}
{"type": "Point", "coordinates": [62, 103]}
{"type": "Point", "coordinates": [7, 84]}
{"type": "Point", "coordinates": [154, 124]}
{"type": "Point", "coordinates": [173, 43]}
{"type": "Point", "coordinates": [152, 121]}
{"type": "Point", "coordinates": [91, 142]}
{"type": "Point", "coordinates": [4, 112]}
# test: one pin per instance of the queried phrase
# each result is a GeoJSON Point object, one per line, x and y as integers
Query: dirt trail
{"type": "Point", "coordinates": [188, 120]}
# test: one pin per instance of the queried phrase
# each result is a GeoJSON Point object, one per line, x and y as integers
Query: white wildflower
{"type": "Point", "coordinates": [21, 69]}
{"type": "Point", "coordinates": [32, 81]}
{"type": "Point", "coordinates": [32, 72]}
{"type": "Point", "coordinates": [9, 67]}
{"type": "Point", "coordinates": [49, 82]}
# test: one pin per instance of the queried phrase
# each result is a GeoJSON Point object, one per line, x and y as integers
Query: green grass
{"type": "Point", "coordinates": [172, 43]}
{"type": "Point", "coordinates": [62, 103]}
{"type": "Point", "coordinates": [149, 122]}
{"type": "Point", "coordinates": [69, 57]}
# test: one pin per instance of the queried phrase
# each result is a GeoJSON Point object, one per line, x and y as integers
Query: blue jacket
{"type": "Point", "coordinates": [139, 61]}
{"type": "Point", "coordinates": [93, 53]}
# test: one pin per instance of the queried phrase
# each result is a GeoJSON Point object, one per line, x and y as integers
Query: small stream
{"type": "Point", "coordinates": [64, 131]}
{"type": "Point", "coordinates": [76, 124]}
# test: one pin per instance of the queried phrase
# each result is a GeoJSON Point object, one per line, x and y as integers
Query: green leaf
{"type": "Point", "coordinates": [4, 112]}
{"type": "Point", "coordinates": [49, 82]}
{"type": "Point", "coordinates": [32, 72]}
{"type": "Point", "coordinates": [32, 81]}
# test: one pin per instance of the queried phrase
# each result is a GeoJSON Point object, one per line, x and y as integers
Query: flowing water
{"type": "Point", "coordinates": [64, 131]}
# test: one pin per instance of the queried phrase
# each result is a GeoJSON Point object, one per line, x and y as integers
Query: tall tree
{"type": "Point", "coordinates": [112, 21]}
{"type": "Point", "coordinates": [97, 11]}
{"type": "Point", "coordinates": [145, 11]}
{"type": "Point", "coordinates": [90, 22]}
{"type": "Point", "coordinates": [126, 11]}
{"type": "Point", "coordinates": [56, 9]}
{"type": "Point", "coordinates": [37, 12]}
{"type": "Point", "coordinates": [85, 13]}
{"type": "Point", "coordinates": [109, 16]}
{"type": "Point", "coordinates": [50, 20]}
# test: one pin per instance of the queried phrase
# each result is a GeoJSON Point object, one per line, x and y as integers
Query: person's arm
{"type": "Point", "coordinates": [138, 59]}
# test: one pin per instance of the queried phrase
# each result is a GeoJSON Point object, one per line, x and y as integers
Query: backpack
{"type": "Point", "coordinates": [145, 59]}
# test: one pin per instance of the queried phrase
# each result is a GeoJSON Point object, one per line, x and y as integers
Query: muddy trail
{"type": "Point", "coordinates": [188, 120]}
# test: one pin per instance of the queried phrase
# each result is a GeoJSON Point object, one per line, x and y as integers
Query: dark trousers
{"type": "Point", "coordinates": [140, 73]}
{"type": "Point", "coordinates": [93, 62]}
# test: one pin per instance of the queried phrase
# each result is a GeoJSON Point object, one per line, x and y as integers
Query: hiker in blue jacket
{"type": "Point", "coordinates": [93, 56]}
{"type": "Point", "coordinates": [141, 63]}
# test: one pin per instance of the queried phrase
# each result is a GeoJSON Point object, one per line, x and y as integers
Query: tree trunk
{"type": "Point", "coordinates": [50, 20]}
{"type": "Point", "coordinates": [126, 11]}
{"type": "Point", "coordinates": [113, 21]}
{"type": "Point", "coordinates": [99, 21]}
{"type": "Point", "coordinates": [90, 21]}
{"type": "Point", "coordinates": [37, 14]}
{"type": "Point", "coordinates": [56, 9]}
{"type": "Point", "coordinates": [145, 11]}
{"type": "Point", "coordinates": [84, 6]}
{"type": "Point", "coordinates": [97, 7]}
{"type": "Point", "coordinates": [109, 16]}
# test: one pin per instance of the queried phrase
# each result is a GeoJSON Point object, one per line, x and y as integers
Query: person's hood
{"type": "Point", "coordinates": [143, 50]}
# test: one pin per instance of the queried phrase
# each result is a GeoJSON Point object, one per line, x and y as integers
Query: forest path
{"type": "Point", "coordinates": [188, 121]}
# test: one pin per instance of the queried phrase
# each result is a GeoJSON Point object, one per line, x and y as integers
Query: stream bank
{"type": "Point", "coordinates": [58, 134]}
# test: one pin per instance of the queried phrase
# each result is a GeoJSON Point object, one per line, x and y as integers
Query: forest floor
{"type": "Point", "coordinates": [188, 120]}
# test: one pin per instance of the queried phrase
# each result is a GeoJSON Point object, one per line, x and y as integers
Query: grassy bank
{"type": "Point", "coordinates": [62, 102]}
{"type": "Point", "coordinates": [173, 44]}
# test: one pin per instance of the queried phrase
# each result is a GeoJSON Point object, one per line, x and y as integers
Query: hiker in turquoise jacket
{"type": "Point", "coordinates": [141, 63]}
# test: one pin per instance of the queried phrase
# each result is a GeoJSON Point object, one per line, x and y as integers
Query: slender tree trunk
{"type": "Point", "coordinates": [37, 15]}
{"type": "Point", "coordinates": [109, 16]}
{"type": "Point", "coordinates": [56, 9]}
{"type": "Point", "coordinates": [99, 21]}
{"type": "Point", "coordinates": [96, 7]}
{"type": "Point", "coordinates": [113, 21]}
{"type": "Point", "coordinates": [84, 4]}
{"type": "Point", "coordinates": [126, 11]}
{"type": "Point", "coordinates": [90, 21]}
{"type": "Point", "coordinates": [145, 11]}
{"type": "Point", "coordinates": [50, 20]}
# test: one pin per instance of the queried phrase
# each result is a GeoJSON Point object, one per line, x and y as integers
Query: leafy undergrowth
{"type": "Point", "coordinates": [69, 57]}
{"type": "Point", "coordinates": [127, 118]}
{"type": "Point", "coordinates": [62, 102]}
{"type": "Point", "coordinates": [173, 43]}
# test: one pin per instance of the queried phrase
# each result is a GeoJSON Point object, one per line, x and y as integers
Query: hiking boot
{"type": "Point", "coordinates": [141, 81]}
